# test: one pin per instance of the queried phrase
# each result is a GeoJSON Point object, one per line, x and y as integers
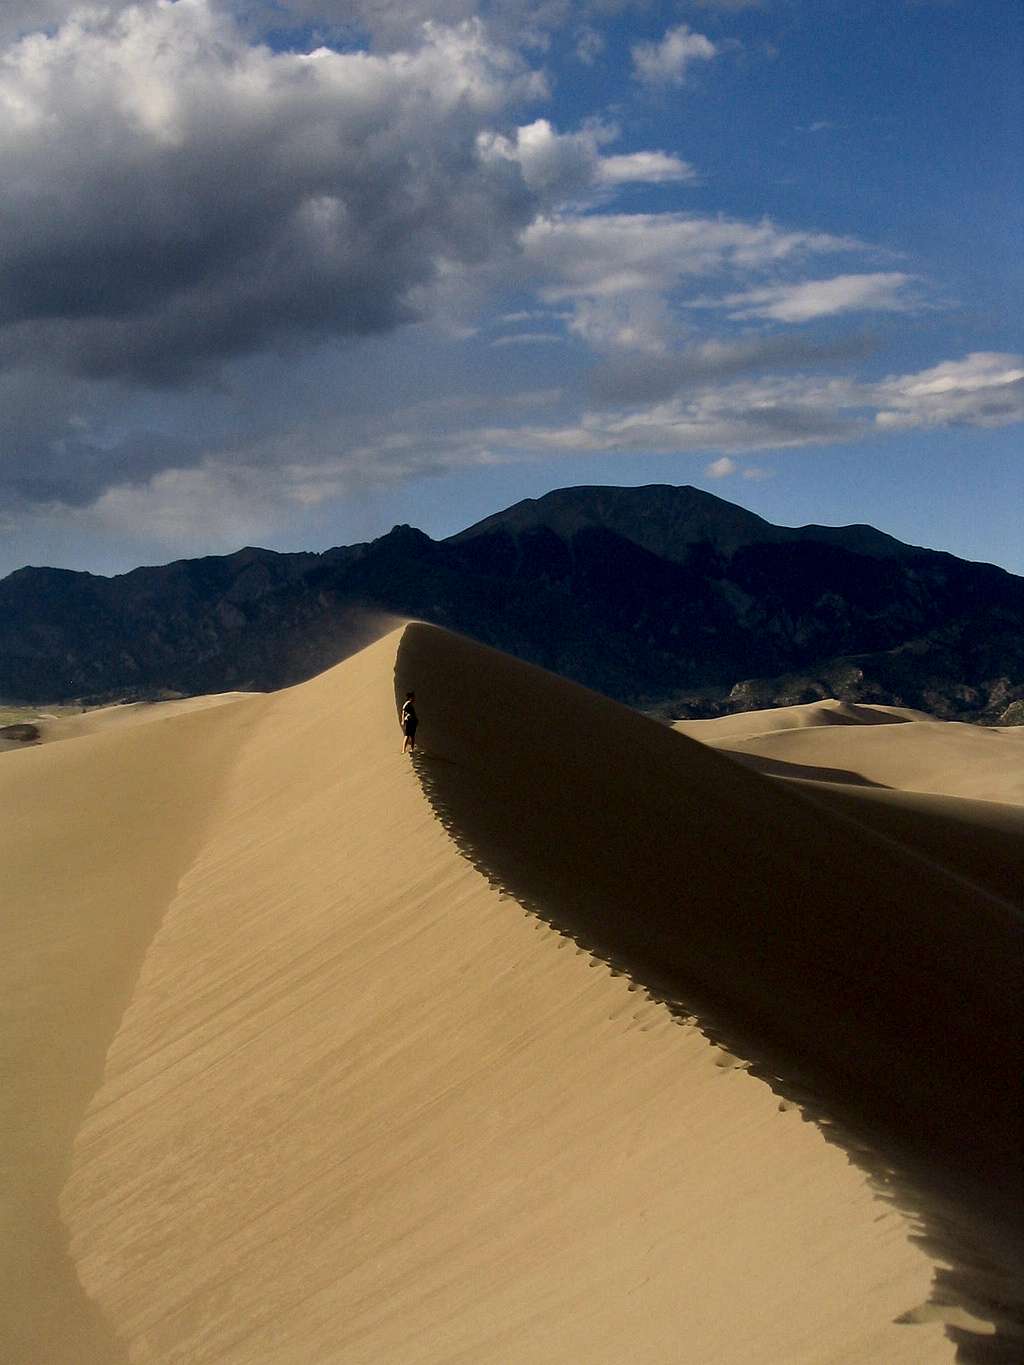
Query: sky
{"type": "Point", "coordinates": [290, 272]}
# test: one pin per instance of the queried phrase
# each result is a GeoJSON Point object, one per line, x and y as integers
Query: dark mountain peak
{"type": "Point", "coordinates": [40, 574]}
{"type": "Point", "coordinates": [668, 520]}
{"type": "Point", "coordinates": [251, 554]}
{"type": "Point", "coordinates": [660, 517]}
{"type": "Point", "coordinates": [402, 539]}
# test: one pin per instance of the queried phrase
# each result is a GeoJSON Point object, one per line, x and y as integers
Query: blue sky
{"type": "Point", "coordinates": [289, 273]}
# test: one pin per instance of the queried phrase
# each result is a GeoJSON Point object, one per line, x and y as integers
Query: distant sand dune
{"type": "Point", "coordinates": [811, 715]}
{"type": "Point", "coordinates": [298, 1080]}
{"type": "Point", "coordinates": [916, 753]}
{"type": "Point", "coordinates": [65, 724]}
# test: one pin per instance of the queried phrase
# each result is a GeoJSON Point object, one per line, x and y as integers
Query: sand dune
{"type": "Point", "coordinates": [310, 1068]}
{"type": "Point", "coordinates": [65, 723]}
{"type": "Point", "coordinates": [952, 792]}
{"type": "Point", "coordinates": [810, 715]}
{"type": "Point", "coordinates": [877, 746]}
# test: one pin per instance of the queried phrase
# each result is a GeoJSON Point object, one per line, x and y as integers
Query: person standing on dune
{"type": "Point", "coordinates": [410, 720]}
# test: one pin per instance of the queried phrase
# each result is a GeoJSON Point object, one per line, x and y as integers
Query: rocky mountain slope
{"type": "Point", "coordinates": [664, 597]}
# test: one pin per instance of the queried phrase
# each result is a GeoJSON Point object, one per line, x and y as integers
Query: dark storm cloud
{"type": "Point", "coordinates": [73, 471]}
{"type": "Point", "coordinates": [57, 445]}
{"type": "Point", "coordinates": [174, 196]}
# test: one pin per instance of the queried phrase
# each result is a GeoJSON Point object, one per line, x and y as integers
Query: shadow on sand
{"type": "Point", "coordinates": [869, 991]}
{"type": "Point", "coordinates": [777, 767]}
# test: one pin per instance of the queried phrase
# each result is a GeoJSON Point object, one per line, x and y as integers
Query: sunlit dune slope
{"type": "Point", "coordinates": [94, 836]}
{"type": "Point", "coordinates": [809, 715]}
{"type": "Point", "coordinates": [913, 752]}
{"type": "Point", "coordinates": [306, 1085]}
{"type": "Point", "coordinates": [65, 723]}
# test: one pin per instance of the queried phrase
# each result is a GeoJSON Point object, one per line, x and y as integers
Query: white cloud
{"type": "Point", "coordinates": [221, 505]}
{"type": "Point", "coordinates": [985, 389]}
{"type": "Point", "coordinates": [807, 299]}
{"type": "Point", "coordinates": [21, 17]}
{"type": "Point", "coordinates": [653, 168]}
{"type": "Point", "coordinates": [721, 468]}
{"type": "Point", "coordinates": [560, 167]}
{"type": "Point", "coordinates": [727, 420]}
{"type": "Point", "coordinates": [763, 413]}
{"type": "Point", "coordinates": [638, 322]}
{"type": "Point", "coordinates": [724, 467]}
{"type": "Point", "coordinates": [527, 338]}
{"type": "Point", "coordinates": [557, 166]}
{"type": "Point", "coordinates": [665, 63]}
{"type": "Point", "coordinates": [730, 419]}
{"type": "Point", "coordinates": [589, 45]}
{"type": "Point", "coordinates": [525, 315]}
{"type": "Point", "coordinates": [602, 255]}
{"type": "Point", "coordinates": [618, 271]}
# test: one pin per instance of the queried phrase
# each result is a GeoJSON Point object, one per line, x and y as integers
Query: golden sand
{"type": "Point", "coordinates": [321, 1054]}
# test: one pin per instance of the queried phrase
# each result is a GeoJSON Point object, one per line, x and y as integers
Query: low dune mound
{"type": "Point", "coordinates": [310, 1067]}
{"type": "Point", "coordinates": [946, 758]}
{"type": "Point", "coordinates": [745, 724]}
{"type": "Point", "coordinates": [67, 722]}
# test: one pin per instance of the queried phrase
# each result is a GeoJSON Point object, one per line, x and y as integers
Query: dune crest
{"type": "Point", "coordinates": [358, 1106]}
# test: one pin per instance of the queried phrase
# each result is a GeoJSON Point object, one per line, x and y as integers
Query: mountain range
{"type": "Point", "coordinates": [667, 598]}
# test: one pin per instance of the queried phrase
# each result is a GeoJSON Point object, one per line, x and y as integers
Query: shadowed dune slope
{"type": "Point", "coordinates": [874, 965]}
{"type": "Point", "coordinates": [980, 841]}
{"type": "Point", "coordinates": [954, 793]}
{"type": "Point", "coordinates": [305, 1084]}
